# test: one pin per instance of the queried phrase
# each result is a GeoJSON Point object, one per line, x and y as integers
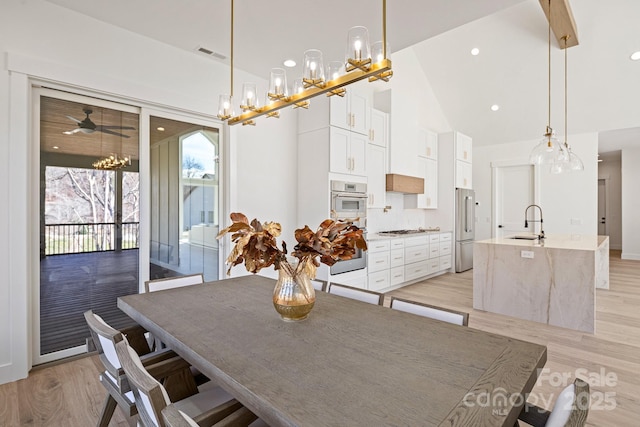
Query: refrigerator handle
{"type": "Point", "coordinates": [468, 212]}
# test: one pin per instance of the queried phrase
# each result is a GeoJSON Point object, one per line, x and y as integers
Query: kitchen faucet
{"type": "Point", "coordinates": [526, 222]}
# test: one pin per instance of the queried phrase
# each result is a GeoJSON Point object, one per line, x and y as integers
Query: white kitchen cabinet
{"type": "Point", "coordinates": [376, 170]}
{"type": "Point", "coordinates": [428, 144]}
{"type": "Point", "coordinates": [463, 147]}
{"type": "Point", "coordinates": [379, 128]}
{"type": "Point", "coordinates": [397, 261]}
{"type": "Point", "coordinates": [429, 199]}
{"type": "Point", "coordinates": [462, 158]}
{"type": "Point", "coordinates": [350, 112]}
{"type": "Point", "coordinates": [464, 174]}
{"type": "Point", "coordinates": [347, 152]}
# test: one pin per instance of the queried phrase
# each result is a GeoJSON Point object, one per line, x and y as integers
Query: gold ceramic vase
{"type": "Point", "coordinates": [293, 295]}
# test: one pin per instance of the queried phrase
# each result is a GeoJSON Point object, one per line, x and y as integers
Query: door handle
{"type": "Point", "coordinates": [500, 226]}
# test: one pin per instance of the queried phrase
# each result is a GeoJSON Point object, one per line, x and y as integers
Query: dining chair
{"type": "Point", "coordinates": [570, 410]}
{"type": "Point", "coordinates": [173, 417]}
{"type": "Point", "coordinates": [164, 364]}
{"type": "Point", "coordinates": [169, 283]}
{"type": "Point", "coordinates": [431, 311]}
{"type": "Point", "coordinates": [173, 282]}
{"type": "Point", "coordinates": [356, 293]}
{"type": "Point", "coordinates": [210, 405]}
{"type": "Point", "coordinates": [319, 285]}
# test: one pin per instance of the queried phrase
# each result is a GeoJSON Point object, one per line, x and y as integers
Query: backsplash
{"type": "Point", "coordinates": [397, 217]}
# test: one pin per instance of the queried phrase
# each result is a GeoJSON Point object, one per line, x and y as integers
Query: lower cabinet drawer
{"type": "Point", "coordinates": [415, 254]}
{"type": "Point", "coordinates": [445, 262]}
{"type": "Point", "coordinates": [379, 280]}
{"type": "Point", "coordinates": [397, 258]}
{"type": "Point", "coordinates": [434, 265]}
{"type": "Point", "coordinates": [434, 251]}
{"type": "Point", "coordinates": [416, 270]}
{"type": "Point", "coordinates": [377, 261]}
{"type": "Point", "coordinates": [396, 275]}
{"type": "Point", "coordinates": [445, 248]}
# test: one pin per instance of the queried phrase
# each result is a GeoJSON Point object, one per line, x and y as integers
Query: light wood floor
{"type": "Point", "coordinates": [69, 394]}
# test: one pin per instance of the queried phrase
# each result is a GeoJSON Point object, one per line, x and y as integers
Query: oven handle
{"type": "Point", "coordinates": [334, 215]}
{"type": "Point", "coordinates": [351, 195]}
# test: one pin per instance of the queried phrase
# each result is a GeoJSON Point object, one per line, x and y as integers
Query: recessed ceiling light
{"type": "Point", "coordinates": [161, 129]}
{"type": "Point", "coordinates": [289, 63]}
{"type": "Point", "coordinates": [495, 107]}
{"type": "Point", "coordinates": [55, 147]}
{"type": "Point", "coordinates": [635, 56]}
{"type": "Point", "coordinates": [475, 51]}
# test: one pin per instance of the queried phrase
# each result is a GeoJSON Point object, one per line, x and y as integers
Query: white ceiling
{"type": "Point", "coordinates": [511, 70]}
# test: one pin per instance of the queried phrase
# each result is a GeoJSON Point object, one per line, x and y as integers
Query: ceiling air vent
{"type": "Point", "coordinates": [211, 53]}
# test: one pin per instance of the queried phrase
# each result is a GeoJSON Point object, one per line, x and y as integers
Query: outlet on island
{"type": "Point", "coordinates": [526, 254]}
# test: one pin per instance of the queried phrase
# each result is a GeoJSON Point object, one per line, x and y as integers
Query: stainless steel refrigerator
{"type": "Point", "coordinates": [465, 226]}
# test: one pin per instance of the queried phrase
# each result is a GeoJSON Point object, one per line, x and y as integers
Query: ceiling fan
{"type": "Point", "coordinates": [87, 126]}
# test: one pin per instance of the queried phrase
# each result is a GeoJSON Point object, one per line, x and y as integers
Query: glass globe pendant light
{"type": "Point", "coordinates": [548, 151]}
{"type": "Point", "coordinates": [573, 162]}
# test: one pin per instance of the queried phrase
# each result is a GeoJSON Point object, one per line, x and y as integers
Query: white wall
{"type": "Point", "coordinates": [630, 203]}
{"type": "Point", "coordinates": [610, 169]}
{"type": "Point", "coordinates": [569, 201]}
{"type": "Point", "coordinates": [413, 105]}
{"type": "Point", "coordinates": [40, 39]}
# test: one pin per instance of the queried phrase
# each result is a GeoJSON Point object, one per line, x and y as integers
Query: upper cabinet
{"type": "Point", "coordinates": [376, 170]}
{"type": "Point", "coordinates": [379, 129]}
{"type": "Point", "coordinates": [463, 147]}
{"type": "Point", "coordinates": [428, 141]}
{"type": "Point", "coordinates": [350, 112]}
{"type": "Point", "coordinates": [347, 152]}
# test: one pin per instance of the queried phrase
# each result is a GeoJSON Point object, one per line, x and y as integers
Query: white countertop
{"type": "Point", "coordinates": [553, 241]}
{"type": "Point", "coordinates": [376, 236]}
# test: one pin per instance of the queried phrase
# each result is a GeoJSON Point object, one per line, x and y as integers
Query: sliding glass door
{"type": "Point", "coordinates": [89, 218]}
{"type": "Point", "coordinates": [185, 198]}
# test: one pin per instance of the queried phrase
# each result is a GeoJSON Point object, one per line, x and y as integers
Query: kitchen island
{"type": "Point", "coordinates": [551, 281]}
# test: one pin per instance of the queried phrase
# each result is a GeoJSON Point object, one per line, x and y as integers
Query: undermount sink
{"type": "Point", "coordinates": [524, 237]}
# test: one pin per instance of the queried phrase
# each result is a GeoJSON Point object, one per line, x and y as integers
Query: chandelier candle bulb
{"type": "Point", "coordinates": [249, 101]}
{"type": "Point", "coordinates": [278, 84]}
{"type": "Point", "coordinates": [313, 74]}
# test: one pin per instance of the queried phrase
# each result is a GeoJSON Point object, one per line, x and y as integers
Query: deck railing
{"type": "Point", "coordinates": [89, 237]}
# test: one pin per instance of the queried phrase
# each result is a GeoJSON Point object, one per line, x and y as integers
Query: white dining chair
{"type": "Point", "coordinates": [173, 282]}
{"type": "Point", "coordinates": [113, 377]}
{"type": "Point", "coordinates": [431, 311]}
{"type": "Point", "coordinates": [570, 410]}
{"type": "Point", "coordinates": [210, 405]}
{"type": "Point", "coordinates": [356, 293]}
{"type": "Point", "coordinates": [319, 285]}
{"type": "Point", "coordinates": [169, 283]}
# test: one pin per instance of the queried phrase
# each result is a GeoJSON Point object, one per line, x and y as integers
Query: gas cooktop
{"type": "Point", "coordinates": [414, 231]}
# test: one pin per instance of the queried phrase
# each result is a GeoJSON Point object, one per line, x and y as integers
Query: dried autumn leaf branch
{"type": "Point", "coordinates": [256, 245]}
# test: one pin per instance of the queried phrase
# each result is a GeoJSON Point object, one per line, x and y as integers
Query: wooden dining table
{"type": "Point", "coordinates": [348, 364]}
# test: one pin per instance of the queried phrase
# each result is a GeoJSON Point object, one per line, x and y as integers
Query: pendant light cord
{"type": "Point", "coordinates": [565, 38]}
{"type": "Point", "coordinates": [549, 71]}
{"type": "Point", "coordinates": [231, 91]}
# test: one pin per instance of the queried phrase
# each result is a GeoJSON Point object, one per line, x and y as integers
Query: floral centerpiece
{"type": "Point", "coordinates": [256, 246]}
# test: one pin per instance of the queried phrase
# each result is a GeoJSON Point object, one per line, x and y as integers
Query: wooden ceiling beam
{"type": "Point", "coordinates": [562, 22]}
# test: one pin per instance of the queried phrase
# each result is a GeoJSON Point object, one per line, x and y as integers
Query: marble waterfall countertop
{"type": "Point", "coordinates": [553, 241]}
{"type": "Point", "coordinates": [551, 281]}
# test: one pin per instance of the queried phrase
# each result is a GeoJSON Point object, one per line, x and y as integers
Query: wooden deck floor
{"type": "Point", "coordinates": [74, 283]}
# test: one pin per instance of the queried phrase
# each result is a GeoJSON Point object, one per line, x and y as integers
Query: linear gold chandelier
{"type": "Point", "coordinates": [362, 61]}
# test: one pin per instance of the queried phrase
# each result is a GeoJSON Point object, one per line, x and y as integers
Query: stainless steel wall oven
{"type": "Point", "coordinates": [349, 202]}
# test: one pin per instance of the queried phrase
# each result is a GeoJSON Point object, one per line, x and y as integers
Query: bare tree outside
{"type": "Point", "coordinates": [83, 201]}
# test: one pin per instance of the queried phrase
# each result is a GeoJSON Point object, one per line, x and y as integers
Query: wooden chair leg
{"type": "Point", "coordinates": [107, 411]}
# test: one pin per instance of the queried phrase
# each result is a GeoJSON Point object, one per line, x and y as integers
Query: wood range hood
{"type": "Point", "coordinates": [405, 184]}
